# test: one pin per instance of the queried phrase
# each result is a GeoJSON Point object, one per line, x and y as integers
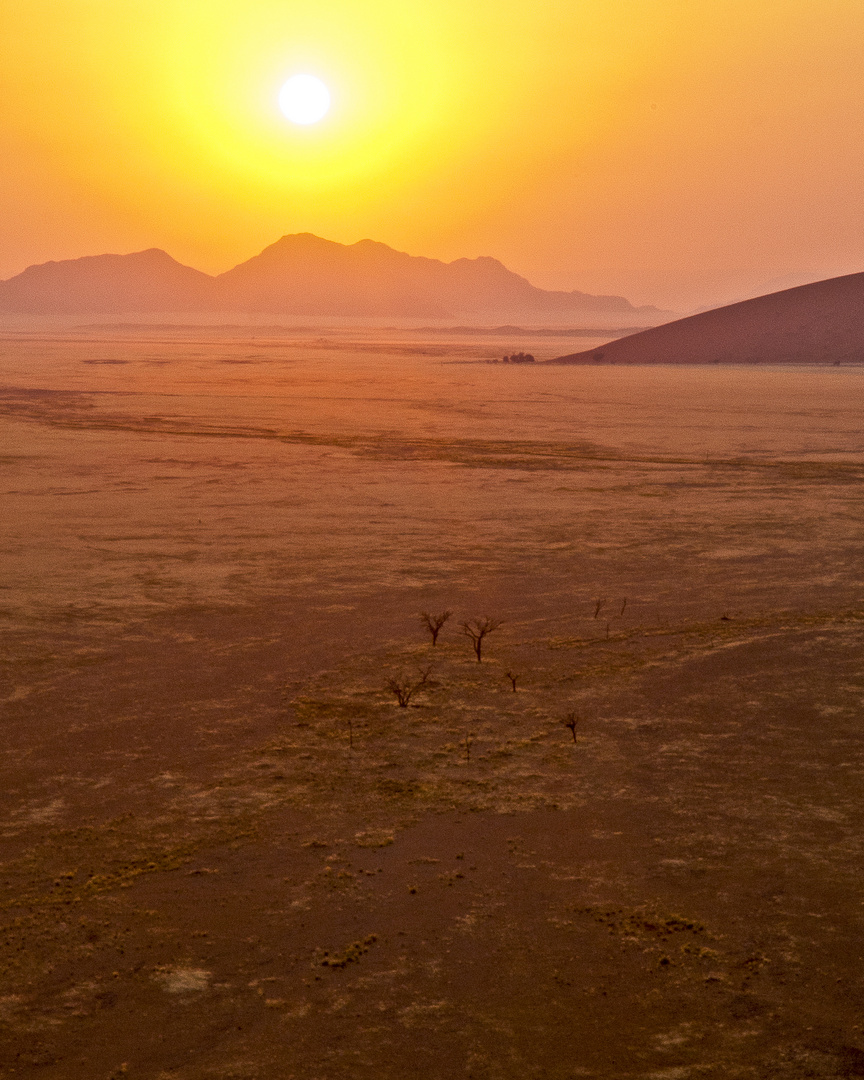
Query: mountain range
{"type": "Point", "coordinates": [819, 323]}
{"type": "Point", "coordinates": [300, 274]}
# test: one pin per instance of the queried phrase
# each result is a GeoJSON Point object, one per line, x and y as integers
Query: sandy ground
{"type": "Point", "coordinates": [229, 853]}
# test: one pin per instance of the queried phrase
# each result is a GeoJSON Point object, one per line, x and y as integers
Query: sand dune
{"type": "Point", "coordinates": [821, 323]}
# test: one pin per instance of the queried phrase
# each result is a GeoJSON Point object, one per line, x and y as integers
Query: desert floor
{"type": "Point", "coordinates": [229, 853]}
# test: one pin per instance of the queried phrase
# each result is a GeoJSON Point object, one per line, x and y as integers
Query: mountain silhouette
{"type": "Point", "coordinates": [305, 275]}
{"type": "Point", "coordinates": [819, 323]}
{"type": "Point", "coordinates": [300, 274]}
{"type": "Point", "coordinates": [148, 281]}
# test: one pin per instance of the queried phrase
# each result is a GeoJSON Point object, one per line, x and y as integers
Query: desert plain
{"type": "Point", "coordinates": [228, 852]}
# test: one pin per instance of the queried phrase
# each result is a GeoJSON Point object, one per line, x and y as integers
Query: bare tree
{"type": "Point", "coordinates": [598, 607]}
{"type": "Point", "coordinates": [476, 630]}
{"type": "Point", "coordinates": [404, 688]}
{"type": "Point", "coordinates": [570, 721]}
{"type": "Point", "coordinates": [433, 623]}
{"type": "Point", "coordinates": [512, 676]}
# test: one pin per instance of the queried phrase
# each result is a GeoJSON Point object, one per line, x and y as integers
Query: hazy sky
{"type": "Point", "coordinates": [681, 152]}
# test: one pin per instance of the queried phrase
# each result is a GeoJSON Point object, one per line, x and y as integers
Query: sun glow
{"type": "Point", "coordinates": [243, 107]}
{"type": "Point", "coordinates": [304, 99]}
{"type": "Point", "coordinates": [430, 106]}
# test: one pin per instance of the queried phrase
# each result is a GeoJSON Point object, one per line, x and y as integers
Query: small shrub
{"type": "Point", "coordinates": [570, 721]}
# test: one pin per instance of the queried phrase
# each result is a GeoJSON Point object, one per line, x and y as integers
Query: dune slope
{"type": "Point", "coordinates": [820, 323]}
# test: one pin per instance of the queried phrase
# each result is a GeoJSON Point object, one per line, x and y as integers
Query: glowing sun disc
{"type": "Point", "coordinates": [304, 99]}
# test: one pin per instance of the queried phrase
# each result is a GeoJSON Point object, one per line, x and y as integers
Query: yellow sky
{"type": "Point", "coordinates": [678, 151]}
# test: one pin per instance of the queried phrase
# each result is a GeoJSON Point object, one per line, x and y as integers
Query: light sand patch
{"type": "Point", "coordinates": [184, 980]}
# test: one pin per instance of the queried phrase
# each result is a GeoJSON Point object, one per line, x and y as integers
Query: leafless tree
{"type": "Point", "coordinates": [623, 606]}
{"type": "Point", "coordinates": [433, 623]}
{"type": "Point", "coordinates": [476, 630]}
{"type": "Point", "coordinates": [512, 676]}
{"type": "Point", "coordinates": [404, 688]}
{"type": "Point", "coordinates": [570, 721]}
{"type": "Point", "coordinates": [598, 607]}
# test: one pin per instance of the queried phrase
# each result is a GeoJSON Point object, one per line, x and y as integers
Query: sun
{"type": "Point", "coordinates": [304, 99]}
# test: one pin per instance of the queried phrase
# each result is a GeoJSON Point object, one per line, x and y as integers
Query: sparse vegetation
{"type": "Point", "coordinates": [512, 676]}
{"type": "Point", "coordinates": [351, 955]}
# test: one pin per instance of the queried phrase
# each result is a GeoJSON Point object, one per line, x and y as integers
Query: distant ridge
{"type": "Point", "coordinates": [148, 281]}
{"type": "Point", "coordinates": [299, 275]}
{"type": "Point", "coordinates": [819, 323]}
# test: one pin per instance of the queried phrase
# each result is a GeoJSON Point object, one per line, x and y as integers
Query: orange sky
{"type": "Point", "coordinates": [681, 152]}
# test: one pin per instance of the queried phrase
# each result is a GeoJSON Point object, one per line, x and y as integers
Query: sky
{"type": "Point", "coordinates": [682, 153]}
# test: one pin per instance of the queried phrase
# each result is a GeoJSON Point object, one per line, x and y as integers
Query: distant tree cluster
{"type": "Point", "coordinates": [404, 687]}
{"type": "Point", "coordinates": [518, 358]}
{"type": "Point", "coordinates": [475, 629]}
